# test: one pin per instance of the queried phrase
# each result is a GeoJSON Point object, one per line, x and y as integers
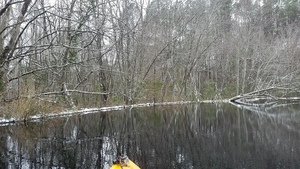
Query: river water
{"type": "Point", "coordinates": [191, 136]}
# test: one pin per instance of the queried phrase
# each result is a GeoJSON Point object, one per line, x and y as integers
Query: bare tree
{"type": "Point", "coordinates": [98, 52]}
{"type": "Point", "coordinates": [10, 33]}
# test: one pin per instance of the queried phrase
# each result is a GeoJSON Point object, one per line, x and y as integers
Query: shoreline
{"type": "Point", "coordinates": [38, 117]}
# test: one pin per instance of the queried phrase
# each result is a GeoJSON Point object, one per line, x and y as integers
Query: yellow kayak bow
{"type": "Point", "coordinates": [131, 165]}
{"type": "Point", "coordinates": [123, 162]}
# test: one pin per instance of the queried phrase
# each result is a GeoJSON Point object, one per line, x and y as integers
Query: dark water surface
{"type": "Point", "coordinates": [190, 136]}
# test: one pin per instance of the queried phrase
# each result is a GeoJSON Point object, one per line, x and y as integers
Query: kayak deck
{"type": "Point", "coordinates": [130, 165]}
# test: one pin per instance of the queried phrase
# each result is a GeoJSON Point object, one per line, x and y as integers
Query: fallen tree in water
{"type": "Point", "coordinates": [264, 98]}
{"type": "Point", "coordinates": [42, 116]}
{"type": "Point", "coordinates": [267, 97]}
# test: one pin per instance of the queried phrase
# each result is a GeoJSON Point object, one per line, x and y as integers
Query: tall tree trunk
{"type": "Point", "coordinates": [7, 51]}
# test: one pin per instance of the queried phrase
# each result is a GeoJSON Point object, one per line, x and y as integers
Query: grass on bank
{"type": "Point", "coordinates": [152, 91]}
{"type": "Point", "coordinates": [25, 107]}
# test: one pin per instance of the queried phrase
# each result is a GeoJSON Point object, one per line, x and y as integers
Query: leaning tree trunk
{"type": "Point", "coordinates": [7, 51]}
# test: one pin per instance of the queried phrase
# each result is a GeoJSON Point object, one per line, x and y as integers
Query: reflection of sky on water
{"type": "Point", "coordinates": [108, 152]}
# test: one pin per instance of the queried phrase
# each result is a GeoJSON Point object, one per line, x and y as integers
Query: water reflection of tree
{"type": "Point", "coordinates": [192, 136]}
{"type": "Point", "coordinates": [240, 138]}
{"type": "Point", "coordinates": [209, 137]}
{"type": "Point", "coordinates": [69, 142]}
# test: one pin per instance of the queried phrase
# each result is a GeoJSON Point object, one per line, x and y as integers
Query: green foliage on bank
{"type": "Point", "coordinates": [208, 90]}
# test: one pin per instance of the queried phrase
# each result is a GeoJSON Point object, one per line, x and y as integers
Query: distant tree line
{"type": "Point", "coordinates": [93, 52]}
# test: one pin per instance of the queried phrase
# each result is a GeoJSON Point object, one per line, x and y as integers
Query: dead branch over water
{"type": "Point", "coordinates": [268, 97]}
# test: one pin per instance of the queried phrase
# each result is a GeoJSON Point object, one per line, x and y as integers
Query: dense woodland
{"type": "Point", "coordinates": [95, 52]}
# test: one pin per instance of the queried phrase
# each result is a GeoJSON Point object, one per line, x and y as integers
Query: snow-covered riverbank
{"type": "Point", "coordinates": [38, 117]}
